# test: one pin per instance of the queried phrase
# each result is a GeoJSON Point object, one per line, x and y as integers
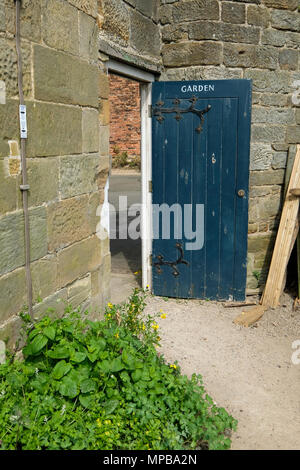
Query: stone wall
{"type": "Point", "coordinates": [67, 161]}
{"type": "Point", "coordinates": [258, 40]}
{"type": "Point", "coordinates": [129, 31]}
{"type": "Point", "coordinates": [125, 116]}
{"type": "Point", "coordinates": [66, 89]}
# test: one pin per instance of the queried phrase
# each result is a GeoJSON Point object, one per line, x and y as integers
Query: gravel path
{"type": "Point", "coordinates": [248, 371]}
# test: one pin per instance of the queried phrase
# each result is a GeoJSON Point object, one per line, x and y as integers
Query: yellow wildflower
{"type": "Point", "coordinates": [155, 326]}
{"type": "Point", "coordinates": [163, 315]}
{"type": "Point", "coordinates": [117, 335]}
{"type": "Point", "coordinates": [143, 327]}
{"type": "Point", "coordinates": [110, 305]}
{"type": "Point", "coordinates": [173, 366]}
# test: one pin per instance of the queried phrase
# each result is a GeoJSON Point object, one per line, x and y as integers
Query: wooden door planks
{"type": "Point", "coordinates": [284, 240]}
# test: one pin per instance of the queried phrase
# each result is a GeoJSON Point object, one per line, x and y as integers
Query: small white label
{"type": "Point", "coordinates": [23, 121]}
{"type": "Point", "coordinates": [2, 352]}
{"type": "Point", "coordinates": [2, 92]}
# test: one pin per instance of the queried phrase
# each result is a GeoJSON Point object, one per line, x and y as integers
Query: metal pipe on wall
{"type": "Point", "coordinates": [24, 187]}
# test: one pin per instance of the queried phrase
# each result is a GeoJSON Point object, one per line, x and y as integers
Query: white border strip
{"type": "Point", "coordinates": [146, 160]}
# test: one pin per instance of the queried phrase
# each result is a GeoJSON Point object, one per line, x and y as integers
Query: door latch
{"type": "Point", "coordinates": [241, 193]}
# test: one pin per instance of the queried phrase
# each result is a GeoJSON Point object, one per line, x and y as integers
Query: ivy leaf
{"type": "Point", "coordinates": [50, 332]}
{"type": "Point", "coordinates": [61, 369]}
{"type": "Point", "coordinates": [38, 343]}
{"type": "Point", "coordinates": [88, 385]}
{"type": "Point", "coordinates": [68, 388]}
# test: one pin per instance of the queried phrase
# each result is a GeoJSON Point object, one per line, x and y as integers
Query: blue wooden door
{"type": "Point", "coordinates": [200, 172]}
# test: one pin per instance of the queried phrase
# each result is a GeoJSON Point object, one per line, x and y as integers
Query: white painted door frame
{"type": "Point", "coordinates": [145, 79]}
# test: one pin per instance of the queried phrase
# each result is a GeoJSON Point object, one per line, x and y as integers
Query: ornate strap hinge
{"type": "Point", "coordinates": [173, 264]}
{"type": "Point", "coordinates": [158, 111]}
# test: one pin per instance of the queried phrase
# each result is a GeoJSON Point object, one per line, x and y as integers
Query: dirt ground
{"type": "Point", "coordinates": [248, 371]}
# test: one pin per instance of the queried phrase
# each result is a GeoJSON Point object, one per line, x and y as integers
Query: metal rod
{"type": "Point", "coordinates": [23, 165]}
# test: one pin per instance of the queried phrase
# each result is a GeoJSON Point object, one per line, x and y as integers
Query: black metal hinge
{"type": "Point", "coordinates": [159, 110]}
{"type": "Point", "coordinates": [172, 264]}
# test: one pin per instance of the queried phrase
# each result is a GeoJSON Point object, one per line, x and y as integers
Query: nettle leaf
{"type": "Point", "coordinates": [101, 344]}
{"type": "Point", "coordinates": [136, 375]}
{"type": "Point", "coordinates": [33, 333]}
{"type": "Point", "coordinates": [110, 406]}
{"type": "Point", "coordinates": [116, 365]}
{"type": "Point", "coordinates": [75, 376]}
{"type": "Point", "coordinates": [78, 357]}
{"type": "Point", "coordinates": [68, 388]}
{"type": "Point", "coordinates": [16, 380]}
{"type": "Point", "coordinates": [61, 369]}
{"type": "Point", "coordinates": [40, 383]}
{"type": "Point", "coordinates": [38, 343]}
{"type": "Point", "coordinates": [88, 385]}
{"type": "Point", "coordinates": [60, 352]}
{"type": "Point", "coordinates": [129, 360]}
{"type": "Point", "coordinates": [124, 376]}
{"type": "Point", "coordinates": [104, 366]}
{"type": "Point", "coordinates": [93, 356]}
{"type": "Point", "coordinates": [84, 371]}
{"type": "Point", "coordinates": [50, 332]}
{"type": "Point", "coordinates": [87, 401]}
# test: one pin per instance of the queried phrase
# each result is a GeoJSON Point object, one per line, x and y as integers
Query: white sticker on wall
{"type": "Point", "coordinates": [2, 92]}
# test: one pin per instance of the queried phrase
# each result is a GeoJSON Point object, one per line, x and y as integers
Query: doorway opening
{"type": "Point", "coordinates": [128, 193]}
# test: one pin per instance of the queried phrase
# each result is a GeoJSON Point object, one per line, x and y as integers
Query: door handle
{"type": "Point", "coordinates": [241, 192]}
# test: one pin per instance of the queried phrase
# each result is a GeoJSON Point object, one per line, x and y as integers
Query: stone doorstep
{"type": "Point", "coordinates": [122, 171]}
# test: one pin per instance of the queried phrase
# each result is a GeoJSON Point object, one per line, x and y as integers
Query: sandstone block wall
{"type": "Point", "coordinates": [66, 95]}
{"type": "Point", "coordinates": [66, 89]}
{"type": "Point", "coordinates": [130, 32]}
{"type": "Point", "coordinates": [258, 40]}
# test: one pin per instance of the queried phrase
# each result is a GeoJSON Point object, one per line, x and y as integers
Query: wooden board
{"type": "Point", "coordinates": [285, 239]}
{"type": "Point", "coordinates": [250, 317]}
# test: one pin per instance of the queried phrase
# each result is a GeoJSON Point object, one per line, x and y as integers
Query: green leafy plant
{"type": "Point", "coordinates": [103, 385]}
{"type": "Point", "coordinates": [121, 159]}
{"type": "Point", "coordinates": [257, 275]}
{"type": "Point", "coordinates": [135, 162]}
